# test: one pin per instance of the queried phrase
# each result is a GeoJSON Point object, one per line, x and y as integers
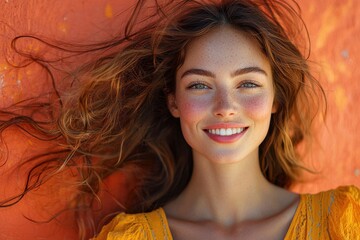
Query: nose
{"type": "Point", "coordinates": [225, 104]}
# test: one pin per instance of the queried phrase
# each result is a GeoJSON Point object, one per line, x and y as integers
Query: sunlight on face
{"type": "Point", "coordinates": [224, 96]}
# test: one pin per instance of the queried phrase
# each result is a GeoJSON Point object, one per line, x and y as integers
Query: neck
{"type": "Point", "coordinates": [225, 193]}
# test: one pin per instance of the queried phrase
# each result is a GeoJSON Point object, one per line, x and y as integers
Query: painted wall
{"type": "Point", "coordinates": [335, 33]}
{"type": "Point", "coordinates": [334, 30]}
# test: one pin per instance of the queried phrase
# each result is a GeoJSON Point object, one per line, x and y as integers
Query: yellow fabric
{"type": "Point", "coordinates": [142, 226]}
{"type": "Point", "coordinates": [334, 214]}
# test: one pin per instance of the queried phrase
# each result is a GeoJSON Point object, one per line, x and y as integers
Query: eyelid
{"type": "Point", "coordinates": [193, 84]}
{"type": "Point", "coordinates": [253, 83]}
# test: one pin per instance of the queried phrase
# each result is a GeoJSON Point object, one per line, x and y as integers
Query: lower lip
{"type": "Point", "coordinates": [226, 139]}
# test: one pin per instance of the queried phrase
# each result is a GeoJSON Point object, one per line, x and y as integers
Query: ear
{"type": "Point", "coordinates": [171, 104]}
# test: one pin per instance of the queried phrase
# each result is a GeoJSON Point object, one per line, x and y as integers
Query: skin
{"type": "Point", "coordinates": [226, 81]}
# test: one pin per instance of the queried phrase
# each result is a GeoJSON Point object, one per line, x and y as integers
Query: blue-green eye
{"type": "Point", "coordinates": [248, 85]}
{"type": "Point", "coordinates": [198, 86]}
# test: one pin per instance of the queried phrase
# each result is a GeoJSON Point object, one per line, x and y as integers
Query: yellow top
{"type": "Point", "coordinates": [334, 214]}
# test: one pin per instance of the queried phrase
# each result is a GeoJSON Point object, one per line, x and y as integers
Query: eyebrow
{"type": "Point", "coordinates": [202, 72]}
{"type": "Point", "coordinates": [248, 70]}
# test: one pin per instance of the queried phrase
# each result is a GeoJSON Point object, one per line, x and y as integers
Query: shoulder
{"type": "Point", "coordinates": [344, 212]}
{"type": "Point", "coordinates": [333, 214]}
{"type": "Point", "coordinates": [124, 226]}
{"type": "Point", "coordinates": [341, 204]}
{"type": "Point", "coordinates": [336, 200]}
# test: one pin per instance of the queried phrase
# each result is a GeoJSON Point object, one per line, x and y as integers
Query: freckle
{"type": "Point", "coordinates": [255, 101]}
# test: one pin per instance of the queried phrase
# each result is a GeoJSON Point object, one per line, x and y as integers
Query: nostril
{"type": "Point", "coordinates": [225, 113]}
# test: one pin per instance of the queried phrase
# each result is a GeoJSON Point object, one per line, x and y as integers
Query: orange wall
{"type": "Point", "coordinates": [334, 28]}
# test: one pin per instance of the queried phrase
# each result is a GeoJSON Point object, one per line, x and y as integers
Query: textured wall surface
{"type": "Point", "coordinates": [334, 28]}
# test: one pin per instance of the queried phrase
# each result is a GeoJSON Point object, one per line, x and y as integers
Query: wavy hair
{"type": "Point", "coordinates": [116, 115]}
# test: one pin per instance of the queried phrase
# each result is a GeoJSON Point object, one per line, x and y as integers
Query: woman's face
{"type": "Point", "coordinates": [224, 96]}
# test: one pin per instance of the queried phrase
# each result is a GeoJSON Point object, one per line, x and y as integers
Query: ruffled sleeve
{"type": "Point", "coordinates": [150, 225]}
{"type": "Point", "coordinates": [334, 214]}
{"type": "Point", "coordinates": [344, 215]}
{"type": "Point", "coordinates": [125, 227]}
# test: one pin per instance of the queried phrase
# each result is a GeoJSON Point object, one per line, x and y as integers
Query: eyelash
{"type": "Point", "coordinates": [246, 84]}
{"type": "Point", "coordinates": [196, 84]}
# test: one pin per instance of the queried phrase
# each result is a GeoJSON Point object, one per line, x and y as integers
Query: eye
{"type": "Point", "coordinates": [198, 86]}
{"type": "Point", "coordinates": [248, 85]}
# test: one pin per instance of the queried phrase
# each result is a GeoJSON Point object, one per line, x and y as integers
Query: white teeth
{"type": "Point", "coordinates": [225, 131]}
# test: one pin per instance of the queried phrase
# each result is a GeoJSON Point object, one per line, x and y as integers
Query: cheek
{"type": "Point", "coordinates": [258, 106]}
{"type": "Point", "coordinates": [191, 109]}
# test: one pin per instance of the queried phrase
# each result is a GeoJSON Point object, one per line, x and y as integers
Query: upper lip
{"type": "Point", "coordinates": [225, 125]}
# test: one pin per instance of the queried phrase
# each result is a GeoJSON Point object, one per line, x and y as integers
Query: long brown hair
{"type": "Point", "coordinates": [116, 116]}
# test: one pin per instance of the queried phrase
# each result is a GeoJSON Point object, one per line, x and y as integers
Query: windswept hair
{"type": "Point", "coordinates": [116, 114]}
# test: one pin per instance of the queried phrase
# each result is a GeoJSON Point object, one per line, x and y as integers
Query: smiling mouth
{"type": "Point", "coordinates": [225, 131]}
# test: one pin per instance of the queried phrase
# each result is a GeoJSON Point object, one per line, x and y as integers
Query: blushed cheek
{"type": "Point", "coordinates": [191, 112]}
{"type": "Point", "coordinates": [257, 106]}
{"type": "Point", "coordinates": [192, 109]}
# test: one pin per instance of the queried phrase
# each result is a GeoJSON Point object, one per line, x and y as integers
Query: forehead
{"type": "Point", "coordinates": [222, 49]}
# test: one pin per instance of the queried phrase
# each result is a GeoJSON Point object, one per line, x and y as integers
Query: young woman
{"type": "Point", "coordinates": [204, 103]}
{"type": "Point", "coordinates": [237, 89]}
